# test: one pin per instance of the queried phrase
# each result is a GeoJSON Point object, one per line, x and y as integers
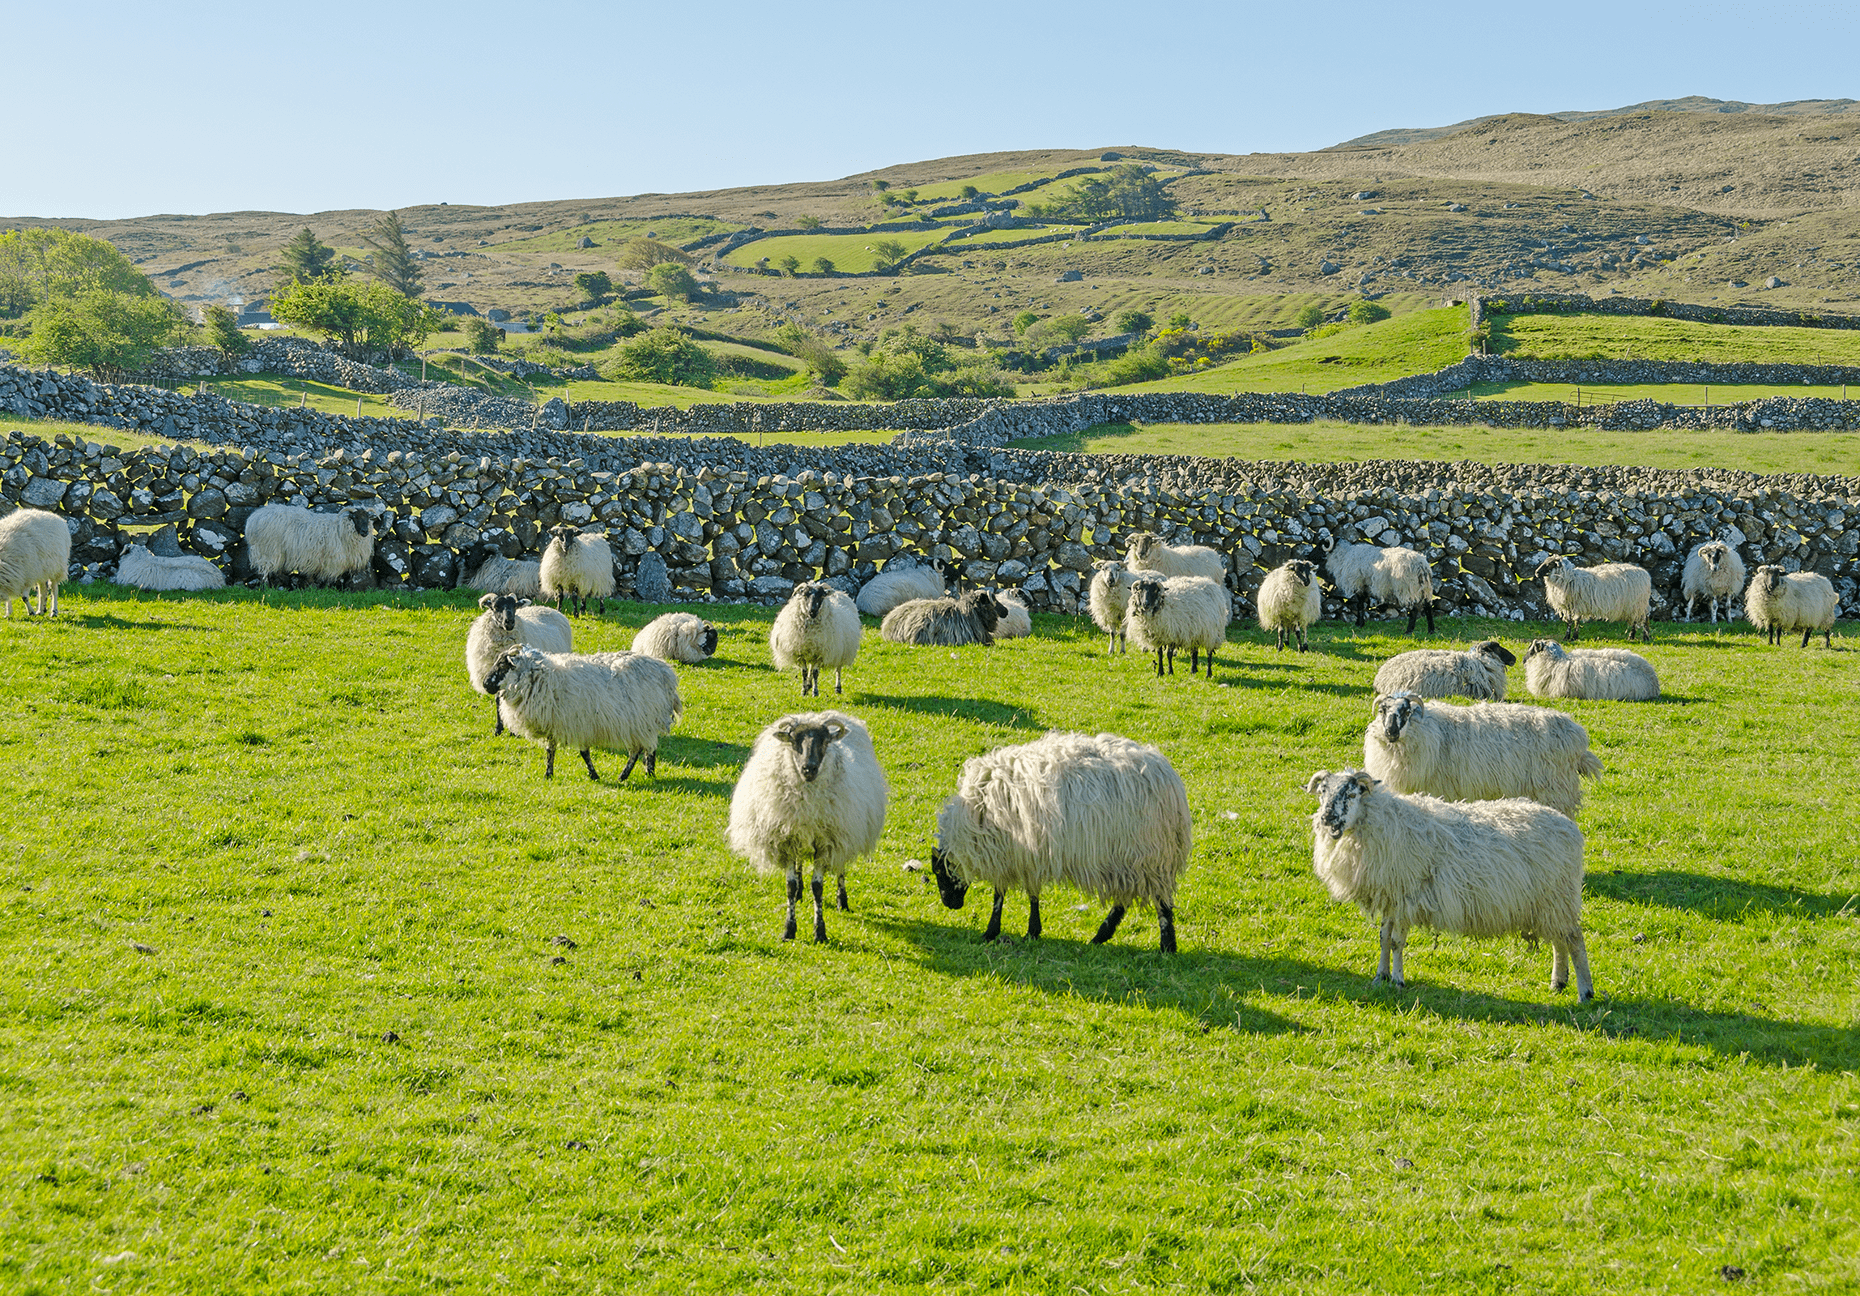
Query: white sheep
{"type": "Point", "coordinates": [1779, 602]}
{"type": "Point", "coordinates": [819, 626]}
{"type": "Point", "coordinates": [35, 558]}
{"type": "Point", "coordinates": [1609, 592]}
{"type": "Point", "coordinates": [145, 570]}
{"type": "Point", "coordinates": [1100, 813]}
{"type": "Point", "coordinates": [622, 701]}
{"type": "Point", "coordinates": [1477, 673]}
{"type": "Point", "coordinates": [1608, 674]}
{"type": "Point", "coordinates": [1713, 572]}
{"type": "Point", "coordinates": [1371, 577]}
{"type": "Point", "coordinates": [970, 618]}
{"type": "Point", "coordinates": [1290, 601]}
{"type": "Point", "coordinates": [1188, 613]}
{"type": "Point", "coordinates": [900, 584]}
{"type": "Point", "coordinates": [812, 788]}
{"type": "Point", "coordinates": [677, 636]}
{"type": "Point", "coordinates": [1016, 617]}
{"type": "Point", "coordinates": [321, 547]}
{"type": "Point", "coordinates": [506, 622]}
{"type": "Point", "coordinates": [1480, 868]}
{"type": "Point", "coordinates": [1479, 752]}
{"type": "Point", "coordinates": [497, 574]}
{"type": "Point", "coordinates": [577, 567]}
{"type": "Point", "coordinates": [1150, 552]}
{"type": "Point", "coordinates": [1109, 597]}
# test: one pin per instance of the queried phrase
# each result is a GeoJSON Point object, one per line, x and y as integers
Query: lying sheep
{"type": "Point", "coordinates": [945, 622]}
{"type": "Point", "coordinates": [578, 567]}
{"type": "Point", "coordinates": [1479, 752]}
{"type": "Point", "coordinates": [1477, 673]}
{"type": "Point", "coordinates": [818, 627]}
{"type": "Point", "coordinates": [898, 584]}
{"type": "Point", "coordinates": [1779, 602]}
{"type": "Point", "coordinates": [1150, 552]}
{"type": "Point", "coordinates": [1178, 613]}
{"type": "Point", "coordinates": [320, 547]}
{"type": "Point", "coordinates": [1016, 617]}
{"type": "Point", "coordinates": [1607, 674]}
{"type": "Point", "coordinates": [506, 622]}
{"type": "Point", "coordinates": [491, 572]}
{"type": "Point", "coordinates": [1103, 814]}
{"type": "Point", "coordinates": [1109, 597]}
{"type": "Point", "coordinates": [1610, 592]}
{"type": "Point", "coordinates": [1715, 573]}
{"type": "Point", "coordinates": [1481, 868]}
{"type": "Point", "coordinates": [148, 571]}
{"type": "Point", "coordinates": [1290, 602]}
{"type": "Point", "coordinates": [1370, 577]}
{"type": "Point", "coordinates": [622, 701]}
{"type": "Point", "coordinates": [679, 637]}
{"type": "Point", "coordinates": [35, 558]}
{"type": "Point", "coordinates": [811, 788]}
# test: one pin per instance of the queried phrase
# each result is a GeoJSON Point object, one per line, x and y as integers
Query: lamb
{"type": "Point", "coordinates": [321, 547]}
{"type": "Point", "coordinates": [148, 571]}
{"type": "Point", "coordinates": [1779, 602]}
{"type": "Point", "coordinates": [506, 622]}
{"type": "Point", "coordinates": [1482, 868]}
{"type": "Point", "coordinates": [1016, 617]}
{"type": "Point", "coordinates": [1103, 814]}
{"type": "Point", "coordinates": [578, 567]}
{"type": "Point", "coordinates": [1715, 573]}
{"type": "Point", "coordinates": [1179, 612]}
{"type": "Point", "coordinates": [35, 558]}
{"type": "Point", "coordinates": [818, 627]}
{"type": "Point", "coordinates": [898, 584]}
{"type": "Point", "coordinates": [1609, 592]}
{"type": "Point", "coordinates": [1610, 674]}
{"type": "Point", "coordinates": [1289, 601]}
{"type": "Point", "coordinates": [1109, 597]}
{"type": "Point", "coordinates": [1372, 577]}
{"type": "Point", "coordinates": [1477, 673]}
{"type": "Point", "coordinates": [945, 622]}
{"type": "Point", "coordinates": [1149, 552]}
{"type": "Point", "coordinates": [621, 701]}
{"type": "Point", "coordinates": [493, 573]}
{"type": "Point", "coordinates": [1479, 753]}
{"type": "Point", "coordinates": [811, 787]}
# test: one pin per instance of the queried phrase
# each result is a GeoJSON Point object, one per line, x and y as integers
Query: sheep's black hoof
{"type": "Point", "coordinates": [787, 933]}
{"type": "Point", "coordinates": [820, 935]}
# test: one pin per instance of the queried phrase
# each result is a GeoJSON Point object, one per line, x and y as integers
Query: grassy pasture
{"type": "Point", "coordinates": [1161, 227]}
{"type": "Point", "coordinates": [993, 183]}
{"type": "Point", "coordinates": [1418, 342]}
{"type": "Point", "coordinates": [1617, 337]}
{"type": "Point", "coordinates": [672, 229]}
{"type": "Point", "coordinates": [847, 252]}
{"type": "Point", "coordinates": [283, 1008]}
{"type": "Point", "coordinates": [1671, 393]}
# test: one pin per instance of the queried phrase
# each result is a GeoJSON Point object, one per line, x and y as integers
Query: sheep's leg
{"type": "Point", "coordinates": [1382, 964]}
{"type": "Point", "coordinates": [549, 764]}
{"type": "Point", "coordinates": [1108, 928]}
{"type": "Point", "coordinates": [836, 680]}
{"type": "Point", "coordinates": [1280, 636]}
{"type": "Point", "coordinates": [1579, 957]}
{"type": "Point", "coordinates": [589, 762]}
{"type": "Point", "coordinates": [652, 762]}
{"type": "Point", "coordinates": [1807, 635]}
{"type": "Point", "coordinates": [794, 895]}
{"type": "Point", "coordinates": [1304, 640]}
{"type": "Point", "coordinates": [1110, 649]}
{"type": "Point", "coordinates": [844, 907]}
{"type": "Point", "coordinates": [1159, 663]}
{"type": "Point", "coordinates": [631, 761]}
{"type": "Point", "coordinates": [994, 919]}
{"type": "Point", "coordinates": [1414, 614]}
{"type": "Point", "coordinates": [1559, 964]}
{"type": "Point", "coordinates": [1362, 611]}
{"type": "Point", "coordinates": [1172, 659]}
{"type": "Point", "coordinates": [1398, 946]}
{"type": "Point", "coordinates": [1429, 609]}
{"type": "Point", "coordinates": [1194, 660]}
{"type": "Point", "coordinates": [1165, 919]}
{"type": "Point", "coordinates": [498, 711]}
{"type": "Point", "coordinates": [820, 910]}
{"type": "Point", "coordinates": [1210, 664]}
{"type": "Point", "coordinates": [1827, 639]}
{"type": "Point", "coordinates": [1575, 631]}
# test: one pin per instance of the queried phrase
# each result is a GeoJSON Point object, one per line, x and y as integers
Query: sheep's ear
{"type": "Point", "coordinates": [523, 602]}
{"type": "Point", "coordinates": [785, 733]}
{"type": "Point", "coordinates": [1505, 654]}
{"type": "Point", "coordinates": [1364, 780]}
{"type": "Point", "coordinates": [837, 730]}
{"type": "Point", "coordinates": [1316, 782]}
{"type": "Point", "coordinates": [486, 601]}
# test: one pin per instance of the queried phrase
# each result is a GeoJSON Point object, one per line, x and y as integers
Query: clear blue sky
{"type": "Point", "coordinates": [121, 109]}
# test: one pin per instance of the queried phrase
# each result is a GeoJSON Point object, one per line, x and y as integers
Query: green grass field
{"type": "Point", "coordinates": [285, 1007]}
{"type": "Point", "coordinates": [611, 234]}
{"type": "Point", "coordinates": [1162, 227]}
{"type": "Point", "coordinates": [280, 392]}
{"type": "Point", "coordinates": [1671, 393]}
{"type": "Point", "coordinates": [1618, 337]}
{"type": "Point", "coordinates": [994, 182]}
{"type": "Point", "coordinates": [850, 253]}
{"type": "Point", "coordinates": [1418, 342]}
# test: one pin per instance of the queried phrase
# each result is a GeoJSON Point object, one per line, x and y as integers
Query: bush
{"type": "Point", "coordinates": [1024, 321]}
{"type": "Point", "coordinates": [789, 264]}
{"type": "Point", "coordinates": [672, 281]}
{"type": "Point", "coordinates": [596, 284]}
{"type": "Point", "coordinates": [223, 335]}
{"type": "Point", "coordinates": [907, 365]}
{"type": "Point", "coordinates": [361, 320]}
{"type": "Point", "coordinates": [1132, 321]}
{"type": "Point", "coordinates": [1065, 328]}
{"type": "Point", "coordinates": [823, 266]}
{"type": "Point", "coordinates": [663, 355]}
{"type": "Point", "coordinates": [481, 336]}
{"type": "Point", "coordinates": [886, 253]}
{"type": "Point", "coordinates": [1181, 320]}
{"type": "Point", "coordinates": [1139, 364]}
{"type": "Point", "coordinates": [1366, 312]}
{"type": "Point", "coordinates": [110, 333]}
{"type": "Point", "coordinates": [1308, 317]}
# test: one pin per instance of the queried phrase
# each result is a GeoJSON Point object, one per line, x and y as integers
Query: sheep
{"type": "Point", "coordinates": [1713, 572]}
{"type": "Point", "coordinates": [1609, 592]}
{"type": "Point", "coordinates": [677, 636]}
{"type": "Point", "coordinates": [321, 547]}
{"type": "Point", "coordinates": [493, 573]}
{"type": "Point", "coordinates": [148, 571]}
{"type": "Point", "coordinates": [1016, 617]}
{"type": "Point", "coordinates": [945, 622]}
{"type": "Point", "coordinates": [1100, 813]}
{"type": "Point", "coordinates": [1480, 868]}
{"type": "Point", "coordinates": [811, 787]}
{"type": "Point", "coordinates": [619, 701]}
{"type": "Point", "coordinates": [1289, 601]}
{"type": "Point", "coordinates": [818, 627]}
{"type": "Point", "coordinates": [1150, 552]}
{"type": "Point", "coordinates": [35, 558]}
{"type": "Point", "coordinates": [1779, 602]}
{"type": "Point", "coordinates": [1109, 597]}
{"type": "Point", "coordinates": [1179, 612]}
{"type": "Point", "coordinates": [1611, 674]}
{"type": "Point", "coordinates": [1371, 577]}
{"type": "Point", "coordinates": [1480, 752]}
{"type": "Point", "coordinates": [898, 584]}
{"type": "Point", "coordinates": [1477, 673]}
{"type": "Point", "coordinates": [578, 567]}
{"type": "Point", "coordinates": [506, 622]}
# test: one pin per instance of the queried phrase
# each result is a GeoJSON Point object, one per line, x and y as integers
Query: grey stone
{"type": "Point", "coordinates": [771, 587]}
{"type": "Point", "coordinates": [1068, 276]}
{"type": "Point", "coordinates": [651, 582]}
{"type": "Point", "coordinates": [44, 493]}
{"type": "Point", "coordinates": [164, 542]}
{"type": "Point", "coordinates": [208, 503]}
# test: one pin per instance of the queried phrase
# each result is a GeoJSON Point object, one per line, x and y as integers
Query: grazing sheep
{"type": "Point", "coordinates": [1778, 602]}
{"type": "Point", "coordinates": [320, 547]}
{"type": "Point", "coordinates": [1109, 597]}
{"type": "Point", "coordinates": [1016, 617]}
{"type": "Point", "coordinates": [1178, 613]}
{"type": "Point", "coordinates": [35, 558]}
{"type": "Point", "coordinates": [1610, 592]}
{"type": "Point", "coordinates": [1371, 577]}
{"type": "Point", "coordinates": [148, 571]}
{"type": "Point", "coordinates": [506, 622]}
{"type": "Point", "coordinates": [1103, 814]}
{"type": "Point", "coordinates": [622, 701]}
{"type": "Point", "coordinates": [1608, 674]}
{"type": "Point", "coordinates": [898, 584]}
{"type": "Point", "coordinates": [818, 627]}
{"type": "Point", "coordinates": [493, 573]}
{"type": "Point", "coordinates": [811, 788]}
{"type": "Point", "coordinates": [945, 622]}
{"type": "Point", "coordinates": [1481, 868]}
{"type": "Point", "coordinates": [1289, 601]}
{"type": "Point", "coordinates": [1477, 673]}
{"type": "Point", "coordinates": [580, 567]}
{"type": "Point", "coordinates": [1149, 552]}
{"type": "Point", "coordinates": [1480, 752]}
{"type": "Point", "coordinates": [677, 636]}
{"type": "Point", "coordinates": [1715, 573]}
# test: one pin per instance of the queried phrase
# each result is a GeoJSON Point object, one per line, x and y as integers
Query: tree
{"type": "Point", "coordinates": [108, 332]}
{"type": "Point", "coordinates": [1308, 317]}
{"type": "Point", "coordinates": [596, 284]}
{"type": "Point", "coordinates": [672, 281]}
{"type": "Point", "coordinates": [645, 253]}
{"type": "Point", "coordinates": [907, 364]}
{"type": "Point", "coordinates": [808, 222]}
{"type": "Point", "coordinates": [1128, 193]}
{"type": "Point", "coordinates": [908, 197]}
{"type": "Point", "coordinates": [881, 185]}
{"type": "Point", "coordinates": [1181, 320]}
{"type": "Point", "coordinates": [1066, 328]}
{"type": "Point", "coordinates": [1024, 321]}
{"type": "Point", "coordinates": [360, 320]}
{"type": "Point", "coordinates": [663, 355]}
{"type": "Point", "coordinates": [37, 265]}
{"type": "Point", "coordinates": [481, 336]}
{"type": "Point", "coordinates": [969, 193]}
{"type": "Point", "coordinates": [1132, 321]}
{"type": "Point", "coordinates": [222, 327]}
{"type": "Point", "coordinates": [1366, 312]}
{"type": "Point", "coordinates": [822, 266]}
{"type": "Point", "coordinates": [392, 260]}
{"type": "Point", "coordinates": [886, 253]}
{"type": "Point", "coordinates": [306, 257]}
{"type": "Point", "coordinates": [789, 264]}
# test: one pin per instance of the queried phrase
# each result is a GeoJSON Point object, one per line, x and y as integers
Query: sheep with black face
{"type": "Point", "coordinates": [506, 622]}
{"type": "Point", "coordinates": [1289, 601]}
{"type": "Point", "coordinates": [620, 701]}
{"type": "Point", "coordinates": [1715, 573]}
{"type": "Point", "coordinates": [1479, 752]}
{"type": "Point", "coordinates": [1178, 614]}
{"type": "Point", "coordinates": [818, 626]}
{"type": "Point", "coordinates": [677, 637]}
{"type": "Point", "coordinates": [1477, 673]}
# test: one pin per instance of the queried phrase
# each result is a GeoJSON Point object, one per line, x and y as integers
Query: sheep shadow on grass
{"type": "Point", "coordinates": [106, 621]}
{"type": "Point", "coordinates": [982, 710]}
{"type": "Point", "coordinates": [1719, 898]}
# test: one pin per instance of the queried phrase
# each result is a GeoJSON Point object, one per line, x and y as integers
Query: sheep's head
{"type": "Point", "coordinates": [1555, 562]}
{"type": "Point", "coordinates": [1497, 651]}
{"type": "Point", "coordinates": [810, 742]}
{"type": "Point", "coordinates": [1142, 545]}
{"type": "Point", "coordinates": [560, 534]}
{"type": "Point", "coordinates": [812, 596]}
{"type": "Point", "coordinates": [1340, 800]}
{"type": "Point", "coordinates": [503, 610]}
{"type": "Point", "coordinates": [362, 521]}
{"type": "Point", "coordinates": [708, 640]}
{"type": "Point", "coordinates": [1146, 596]}
{"type": "Point", "coordinates": [951, 888]}
{"type": "Point", "coordinates": [511, 661]}
{"type": "Point", "coordinates": [1394, 711]}
{"type": "Point", "coordinates": [1303, 570]}
{"type": "Point", "coordinates": [987, 608]}
{"type": "Point", "coordinates": [1544, 647]}
{"type": "Point", "coordinates": [1769, 578]}
{"type": "Point", "coordinates": [1714, 554]}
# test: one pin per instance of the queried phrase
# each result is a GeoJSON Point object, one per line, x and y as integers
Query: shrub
{"type": "Point", "coordinates": [481, 336]}
{"type": "Point", "coordinates": [223, 335]}
{"type": "Point", "coordinates": [1024, 321]}
{"type": "Point", "coordinates": [808, 222]}
{"type": "Point", "coordinates": [823, 266]}
{"type": "Point", "coordinates": [1132, 321]}
{"type": "Point", "coordinates": [1180, 320]}
{"type": "Point", "coordinates": [1139, 364]}
{"type": "Point", "coordinates": [1066, 328]}
{"type": "Point", "coordinates": [110, 333]}
{"type": "Point", "coordinates": [663, 355]}
{"type": "Point", "coordinates": [886, 253]}
{"type": "Point", "coordinates": [1308, 317]}
{"type": "Point", "coordinates": [1367, 312]}
{"type": "Point", "coordinates": [596, 284]}
{"type": "Point", "coordinates": [789, 264]}
{"type": "Point", "coordinates": [969, 193]}
{"type": "Point", "coordinates": [672, 281]}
